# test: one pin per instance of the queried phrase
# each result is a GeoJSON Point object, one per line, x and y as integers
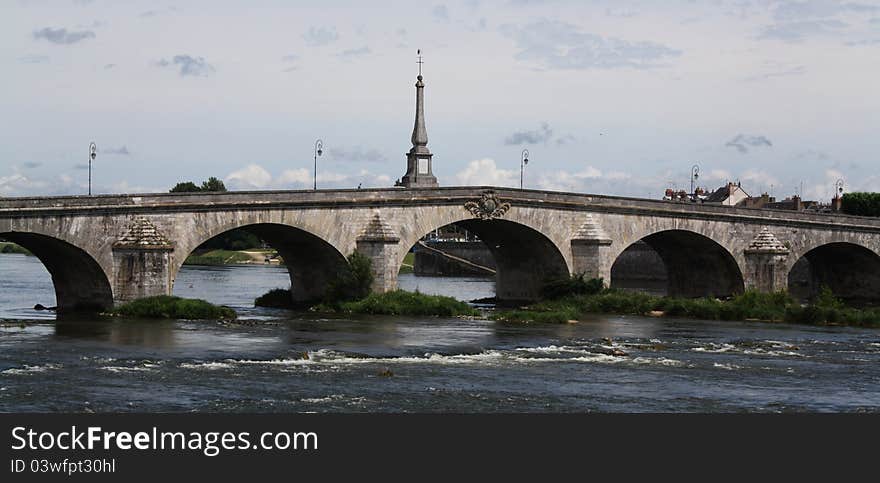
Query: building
{"type": "Point", "coordinates": [730, 195]}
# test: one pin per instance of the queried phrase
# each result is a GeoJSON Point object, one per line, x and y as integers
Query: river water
{"type": "Point", "coordinates": [299, 362]}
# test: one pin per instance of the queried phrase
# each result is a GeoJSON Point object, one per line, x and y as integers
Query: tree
{"type": "Point", "coordinates": [186, 187]}
{"type": "Point", "coordinates": [861, 204]}
{"type": "Point", "coordinates": [213, 184]}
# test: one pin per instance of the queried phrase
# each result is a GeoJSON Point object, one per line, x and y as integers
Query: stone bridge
{"type": "Point", "coordinates": [105, 249]}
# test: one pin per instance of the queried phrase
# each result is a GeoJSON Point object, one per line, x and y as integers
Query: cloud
{"type": "Point", "coordinates": [798, 31]}
{"type": "Point", "coordinates": [33, 59]}
{"type": "Point", "coordinates": [538, 136]}
{"type": "Point", "coordinates": [62, 36]}
{"type": "Point", "coordinates": [109, 66]}
{"type": "Point", "coordinates": [441, 13]}
{"type": "Point", "coordinates": [357, 154]}
{"type": "Point", "coordinates": [742, 142]}
{"type": "Point", "coordinates": [32, 164]}
{"type": "Point", "coordinates": [542, 135]}
{"type": "Point", "coordinates": [589, 179]}
{"type": "Point", "coordinates": [863, 43]}
{"type": "Point", "coordinates": [252, 176]}
{"type": "Point", "coordinates": [779, 71]}
{"type": "Point", "coordinates": [255, 176]}
{"type": "Point", "coordinates": [810, 9]}
{"type": "Point", "coordinates": [354, 53]}
{"type": "Point", "coordinates": [317, 37]}
{"type": "Point", "coordinates": [81, 166]}
{"type": "Point", "coordinates": [558, 45]}
{"type": "Point", "coordinates": [621, 13]}
{"type": "Point", "coordinates": [484, 172]}
{"type": "Point", "coordinates": [121, 151]}
{"type": "Point", "coordinates": [189, 66]}
{"type": "Point", "coordinates": [290, 58]}
{"type": "Point", "coordinates": [568, 138]}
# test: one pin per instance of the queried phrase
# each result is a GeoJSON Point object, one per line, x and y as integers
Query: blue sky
{"type": "Point", "coordinates": [610, 97]}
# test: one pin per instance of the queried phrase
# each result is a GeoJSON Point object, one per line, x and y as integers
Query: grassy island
{"type": "Point", "coordinates": [401, 302]}
{"type": "Point", "coordinates": [593, 298]}
{"type": "Point", "coordinates": [169, 307]}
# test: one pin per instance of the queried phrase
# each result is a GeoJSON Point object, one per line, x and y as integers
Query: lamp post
{"type": "Point", "coordinates": [319, 149]}
{"type": "Point", "coordinates": [522, 166]}
{"type": "Point", "coordinates": [695, 175]}
{"type": "Point", "coordinates": [93, 152]}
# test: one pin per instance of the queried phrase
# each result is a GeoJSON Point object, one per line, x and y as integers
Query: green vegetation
{"type": "Point", "coordinates": [277, 298]}
{"type": "Point", "coordinates": [574, 285]}
{"type": "Point", "coordinates": [773, 307]}
{"type": "Point", "coordinates": [168, 307]}
{"type": "Point", "coordinates": [408, 263]}
{"type": "Point", "coordinates": [8, 247]}
{"type": "Point", "coordinates": [211, 185]}
{"type": "Point", "coordinates": [353, 283]}
{"type": "Point", "coordinates": [351, 292]}
{"type": "Point", "coordinates": [217, 257]}
{"type": "Point", "coordinates": [401, 302]}
{"type": "Point", "coordinates": [861, 204]}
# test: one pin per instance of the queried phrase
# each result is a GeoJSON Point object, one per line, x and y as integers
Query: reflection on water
{"type": "Point", "coordinates": [283, 361]}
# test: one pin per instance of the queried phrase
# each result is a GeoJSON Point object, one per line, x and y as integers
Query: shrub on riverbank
{"type": "Point", "coordinates": [353, 283]}
{"type": "Point", "coordinates": [169, 307]}
{"type": "Point", "coordinates": [401, 302]}
{"type": "Point", "coordinates": [277, 298]}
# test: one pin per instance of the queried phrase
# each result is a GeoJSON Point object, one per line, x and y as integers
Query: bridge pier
{"type": "Point", "coordinates": [142, 263]}
{"type": "Point", "coordinates": [380, 243]}
{"type": "Point", "coordinates": [766, 264]}
{"type": "Point", "coordinates": [591, 251]}
{"type": "Point", "coordinates": [587, 258]}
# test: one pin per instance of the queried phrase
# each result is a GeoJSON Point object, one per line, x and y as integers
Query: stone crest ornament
{"type": "Point", "coordinates": [489, 206]}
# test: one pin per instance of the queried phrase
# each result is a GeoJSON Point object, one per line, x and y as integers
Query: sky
{"type": "Point", "coordinates": [609, 97]}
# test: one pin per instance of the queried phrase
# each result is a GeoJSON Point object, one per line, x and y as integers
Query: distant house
{"type": "Point", "coordinates": [730, 195]}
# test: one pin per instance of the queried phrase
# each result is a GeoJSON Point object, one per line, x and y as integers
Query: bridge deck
{"type": "Point", "coordinates": [244, 200]}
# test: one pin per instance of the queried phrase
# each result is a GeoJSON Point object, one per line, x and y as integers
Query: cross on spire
{"type": "Point", "coordinates": [420, 62]}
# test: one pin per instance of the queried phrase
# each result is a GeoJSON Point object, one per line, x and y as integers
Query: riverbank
{"type": "Point", "coordinates": [9, 247]}
{"type": "Point", "coordinates": [750, 306]}
{"type": "Point", "coordinates": [257, 256]}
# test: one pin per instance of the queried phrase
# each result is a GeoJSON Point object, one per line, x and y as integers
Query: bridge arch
{"type": "Point", "coordinates": [680, 263]}
{"type": "Point", "coordinates": [850, 270]}
{"type": "Point", "coordinates": [311, 261]}
{"type": "Point", "coordinates": [522, 246]}
{"type": "Point", "coordinates": [80, 283]}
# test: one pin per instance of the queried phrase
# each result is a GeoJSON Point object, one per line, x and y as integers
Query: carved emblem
{"type": "Point", "coordinates": [489, 206]}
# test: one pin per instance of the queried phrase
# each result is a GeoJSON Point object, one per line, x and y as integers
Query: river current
{"type": "Point", "coordinates": [276, 360]}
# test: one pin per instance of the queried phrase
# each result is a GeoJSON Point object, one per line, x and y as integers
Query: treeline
{"type": "Point", "coordinates": [861, 204]}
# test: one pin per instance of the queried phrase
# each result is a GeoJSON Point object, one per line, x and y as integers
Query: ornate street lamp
{"type": "Point", "coordinates": [695, 175]}
{"type": "Point", "coordinates": [522, 166]}
{"type": "Point", "coordinates": [839, 185]}
{"type": "Point", "coordinates": [319, 149]}
{"type": "Point", "coordinates": [93, 152]}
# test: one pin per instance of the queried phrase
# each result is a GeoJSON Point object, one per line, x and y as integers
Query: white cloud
{"type": "Point", "coordinates": [250, 177]}
{"type": "Point", "coordinates": [485, 172]}
{"type": "Point", "coordinates": [255, 176]}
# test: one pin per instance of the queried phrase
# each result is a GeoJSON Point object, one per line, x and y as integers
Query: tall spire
{"type": "Point", "coordinates": [419, 172]}
{"type": "Point", "coordinates": [420, 133]}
